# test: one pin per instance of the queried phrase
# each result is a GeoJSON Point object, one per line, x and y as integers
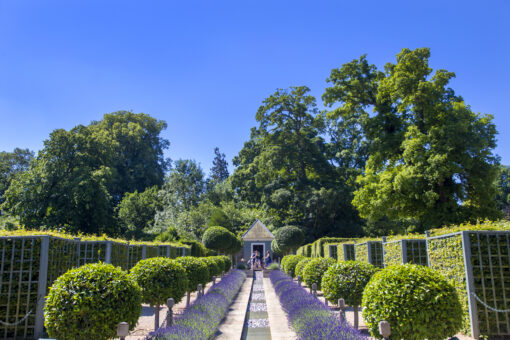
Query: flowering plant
{"type": "Point", "coordinates": [309, 317]}
{"type": "Point", "coordinates": [202, 318]}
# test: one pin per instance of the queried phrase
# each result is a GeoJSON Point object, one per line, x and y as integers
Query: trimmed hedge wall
{"type": "Point", "coordinates": [22, 278]}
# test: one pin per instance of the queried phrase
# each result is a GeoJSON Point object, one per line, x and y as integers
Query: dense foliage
{"type": "Point", "coordinates": [347, 280]}
{"type": "Point", "coordinates": [315, 269]}
{"type": "Point", "coordinates": [89, 302]}
{"type": "Point", "coordinates": [395, 151]}
{"type": "Point", "coordinates": [219, 239]}
{"type": "Point", "coordinates": [202, 318]}
{"type": "Point", "coordinates": [298, 270]}
{"type": "Point", "coordinates": [81, 175]}
{"type": "Point", "coordinates": [289, 238]}
{"type": "Point", "coordinates": [197, 271]}
{"type": "Point", "coordinates": [215, 266]}
{"type": "Point", "coordinates": [160, 278]}
{"type": "Point", "coordinates": [309, 318]}
{"type": "Point", "coordinates": [289, 263]}
{"type": "Point", "coordinates": [411, 298]}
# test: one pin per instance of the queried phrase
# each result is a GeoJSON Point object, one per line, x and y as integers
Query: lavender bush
{"type": "Point", "coordinates": [203, 317]}
{"type": "Point", "coordinates": [309, 317]}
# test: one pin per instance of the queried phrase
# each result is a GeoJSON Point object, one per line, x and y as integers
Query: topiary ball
{"type": "Point", "coordinates": [298, 271]}
{"type": "Point", "coordinates": [89, 302]}
{"type": "Point", "coordinates": [290, 264]}
{"type": "Point", "coordinates": [417, 301]}
{"type": "Point", "coordinates": [218, 238]}
{"type": "Point", "coordinates": [315, 269]}
{"type": "Point", "coordinates": [197, 272]}
{"type": "Point", "coordinates": [227, 262]}
{"type": "Point", "coordinates": [347, 280]}
{"type": "Point", "coordinates": [160, 278]}
{"type": "Point", "coordinates": [214, 267]}
{"type": "Point", "coordinates": [289, 237]}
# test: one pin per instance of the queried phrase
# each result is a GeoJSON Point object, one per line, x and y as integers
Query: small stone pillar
{"type": "Point", "coordinates": [299, 279]}
{"type": "Point", "coordinates": [341, 314]}
{"type": "Point", "coordinates": [314, 290]}
{"type": "Point", "coordinates": [122, 330]}
{"type": "Point", "coordinates": [199, 290]}
{"type": "Point", "coordinates": [170, 314]}
{"type": "Point", "coordinates": [384, 329]}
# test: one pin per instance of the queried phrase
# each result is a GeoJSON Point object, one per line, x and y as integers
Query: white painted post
{"type": "Point", "coordinates": [41, 287]}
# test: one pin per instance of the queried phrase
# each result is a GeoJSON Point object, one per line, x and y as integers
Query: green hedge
{"type": "Point", "coordinates": [346, 253]}
{"type": "Point", "coordinates": [376, 253]}
{"type": "Point", "coordinates": [318, 245]}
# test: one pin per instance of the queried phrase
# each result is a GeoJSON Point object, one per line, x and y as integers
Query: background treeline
{"type": "Point", "coordinates": [395, 150]}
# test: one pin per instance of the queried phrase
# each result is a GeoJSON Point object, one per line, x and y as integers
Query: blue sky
{"type": "Point", "coordinates": [205, 66]}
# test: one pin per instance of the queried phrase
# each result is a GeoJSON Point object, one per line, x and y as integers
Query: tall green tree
{"type": "Point", "coordinates": [136, 212]}
{"type": "Point", "coordinates": [181, 193]}
{"type": "Point", "coordinates": [11, 164]}
{"type": "Point", "coordinates": [219, 170]}
{"type": "Point", "coordinates": [137, 148]}
{"type": "Point", "coordinates": [81, 175]}
{"type": "Point", "coordinates": [65, 187]}
{"type": "Point", "coordinates": [284, 166]}
{"type": "Point", "coordinates": [430, 156]}
{"type": "Point", "coordinates": [503, 196]}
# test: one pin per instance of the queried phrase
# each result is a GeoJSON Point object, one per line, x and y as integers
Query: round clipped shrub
{"type": "Point", "coordinates": [298, 271]}
{"type": "Point", "coordinates": [197, 272]}
{"type": "Point", "coordinates": [219, 239]}
{"type": "Point", "coordinates": [288, 238]}
{"type": "Point", "coordinates": [221, 262]}
{"type": "Point", "coordinates": [160, 278]}
{"type": "Point", "coordinates": [347, 280]}
{"type": "Point", "coordinates": [214, 267]}
{"type": "Point", "coordinates": [417, 301]}
{"type": "Point", "coordinates": [96, 295]}
{"type": "Point", "coordinates": [315, 269]}
{"type": "Point", "coordinates": [227, 262]}
{"type": "Point", "coordinates": [290, 264]}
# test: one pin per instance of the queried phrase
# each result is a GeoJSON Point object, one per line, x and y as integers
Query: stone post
{"type": "Point", "coordinates": [214, 280]}
{"type": "Point", "coordinates": [299, 279]}
{"type": "Point", "coordinates": [341, 314]}
{"type": "Point", "coordinates": [199, 290]}
{"type": "Point", "coordinates": [122, 330]}
{"type": "Point", "coordinates": [314, 290]}
{"type": "Point", "coordinates": [170, 314]}
{"type": "Point", "coordinates": [384, 329]}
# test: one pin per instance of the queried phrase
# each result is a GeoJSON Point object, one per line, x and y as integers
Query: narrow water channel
{"type": "Point", "coordinates": [256, 326]}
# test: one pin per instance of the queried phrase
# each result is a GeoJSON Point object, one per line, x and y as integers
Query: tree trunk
{"type": "Point", "coordinates": [188, 299]}
{"type": "Point", "coordinates": [156, 317]}
{"type": "Point", "coordinates": [356, 317]}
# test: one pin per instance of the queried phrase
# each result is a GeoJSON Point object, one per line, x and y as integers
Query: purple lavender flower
{"type": "Point", "coordinates": [203, 317]}
{"type": "Point", "coordinates": [309, 317]}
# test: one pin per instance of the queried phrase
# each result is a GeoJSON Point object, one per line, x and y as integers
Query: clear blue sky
{"type": "Point", "coordinates": [205, 66]}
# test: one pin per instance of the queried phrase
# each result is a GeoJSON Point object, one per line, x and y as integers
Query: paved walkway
{"type": "Point", "coordinates": [232, 326]}
{"type": "Point", "coordinates": [278, 322]}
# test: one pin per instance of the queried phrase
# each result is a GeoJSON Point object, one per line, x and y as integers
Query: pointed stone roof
{"type": "Point", "coordinates": [258, 232]}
